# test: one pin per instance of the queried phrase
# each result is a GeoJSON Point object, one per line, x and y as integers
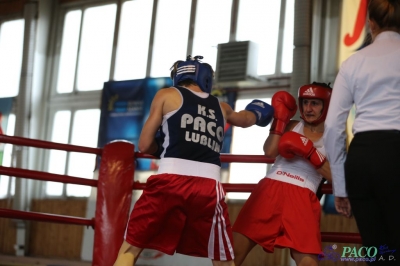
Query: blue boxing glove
{"type": "Point", "coordinates": [263, 111]}
{"type": "Point", "coordinates": [159, 139]}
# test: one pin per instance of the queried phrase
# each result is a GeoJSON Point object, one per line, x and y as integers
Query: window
{"type": "Point", "coordinates": [69, 52]}
{"type": "Point", "coordinates": [258, 21]}
{"type": "Point", "coordinates": [57, 159]}
{"type": "Point", "coordinates": [170, 36]}
{"type": "Point", "coordinates": [84, 65]}
{"type": "Point", "coordinates": [84, 133]}
{"type": "Point", "coordinates": [11, 44]}
{"type": "Point", "coordinates": [133, 42]}
{"type": "Point", "coordinates": [96, 47]}
{"type": "Point", "coordinates": [247, 141]}
{"type": "Point", "coordinates": [212, 27]}
{"type": "Point", "coordinates": [99, 42]}
{"type": "Point", "coordinates": [11, 51]}
{"type": "Point", "coordinates": [287, 53]}
{"type": "Point", "coordinates": [7, 183]}
{"type": "Point", "coordinates": [92, 63]}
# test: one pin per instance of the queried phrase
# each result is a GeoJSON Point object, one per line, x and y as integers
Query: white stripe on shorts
{"type": "Point", "coordinates": [222, 233]}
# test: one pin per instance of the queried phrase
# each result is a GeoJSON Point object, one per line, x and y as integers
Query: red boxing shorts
{"type": "Point", "coordinates": [279, 214]}
{"type": "Point", "coordinates": [186, 214]}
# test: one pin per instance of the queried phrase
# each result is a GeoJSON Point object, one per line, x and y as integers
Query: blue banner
{"type": "Point", "coordinates": [230, 98]}
{"type": "Point", "coordinates": [125, 107]}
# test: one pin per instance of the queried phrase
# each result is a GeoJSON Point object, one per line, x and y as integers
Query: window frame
{"type": "Point", "coordinates": [12, 180]}
{"type": "Point", "coordinates": [77, 100]}
{"type": "Point", "coordinates": [247, 95]}
{"type": "Point", "coordinates": [9, 19]}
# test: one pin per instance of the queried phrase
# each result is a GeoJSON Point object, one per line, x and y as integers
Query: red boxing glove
{"type": "Point", "coordinates": [293, 143]}
{"type": "Point", "coordinates": [285, 108]}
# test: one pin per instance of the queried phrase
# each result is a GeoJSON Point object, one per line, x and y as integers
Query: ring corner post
{"type": "Point", "coordinates": [114, 197]}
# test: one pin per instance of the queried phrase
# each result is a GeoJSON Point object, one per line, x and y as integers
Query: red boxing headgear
{"type": "Point", "coordinates": [321, 91]}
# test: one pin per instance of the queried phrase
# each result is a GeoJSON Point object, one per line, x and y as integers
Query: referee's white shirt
{"type": "Point", "coordinates": [369, 79]}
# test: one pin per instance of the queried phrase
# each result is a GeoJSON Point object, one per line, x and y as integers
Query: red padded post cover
{"type": "Point", "coordinates": [114, 197]}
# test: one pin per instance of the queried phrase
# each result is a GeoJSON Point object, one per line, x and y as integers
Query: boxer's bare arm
{"type": "Point", "coordinates": [165, 101]}
{"type": "Point", "coordinates": [325, 171]}
{"type": "Point", "coordinates": [241, 119]}
{"type": "Point", "coordinates": [153, 122]}
{"type": "Point", "coordinates": [271, 143]}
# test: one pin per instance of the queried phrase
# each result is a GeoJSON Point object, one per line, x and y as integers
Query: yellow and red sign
{"type": "Point", "coordinates": [352, 34]}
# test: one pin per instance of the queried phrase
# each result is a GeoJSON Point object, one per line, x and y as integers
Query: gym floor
{"type": "Point", "coordinates": [29, 261]}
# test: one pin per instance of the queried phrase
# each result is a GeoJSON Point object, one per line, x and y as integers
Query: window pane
{"type": "Point", "coordinates": [4, 181]}
{"type": "Point", "coordinates": [57, 159]}
{"type": "Point", "coordinates": [239, 172]}
{"type": "Point", "coordinates": [258, 21]}
{"type": "Point", "coordinates": [96, 47]}
{"type": "Point", "coordinates": [85, 131]}
{"type": "Point", "coordinates": [212, 27]}
{"type": "Point", "coordinates": [69, 51]}
{"type": "Point", "coordinates": [171, 35]}
{"type": "Point", "coordinates": [6, 159]}
{"type": "Point", "coordinates": [287, 53]}
{"type": "Point", "coordinates": [133, 43]}
{"type": "Point", "coordinates": [11, 45]}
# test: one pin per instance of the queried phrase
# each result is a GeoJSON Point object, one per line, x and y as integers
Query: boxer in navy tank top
{"type": "Point", "coordinates": [183, 209]}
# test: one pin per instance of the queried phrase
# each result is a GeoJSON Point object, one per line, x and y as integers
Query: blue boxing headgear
{"type": "Point", "coordinates": [193, 69]}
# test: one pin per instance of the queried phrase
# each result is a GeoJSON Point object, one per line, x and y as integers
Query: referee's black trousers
{"type": "Point", "coordinates": [372, 171]}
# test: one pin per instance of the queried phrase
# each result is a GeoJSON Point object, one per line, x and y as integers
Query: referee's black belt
{"type": "Point", "coordinates": [373, 132]}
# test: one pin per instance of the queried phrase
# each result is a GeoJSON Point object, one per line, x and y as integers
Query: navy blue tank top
{"type": "Point", "coordinates": [196, 130]}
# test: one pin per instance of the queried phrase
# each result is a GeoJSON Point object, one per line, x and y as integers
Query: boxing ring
{"type": "Point", "coordinates": [115, 185]}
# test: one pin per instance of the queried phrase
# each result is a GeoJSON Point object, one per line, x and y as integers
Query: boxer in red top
{"type": "Point", "coordinates": [283, 210]}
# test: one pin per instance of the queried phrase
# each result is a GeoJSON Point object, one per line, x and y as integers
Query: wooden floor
{"type": "Point", "coordinates": [28, 261]}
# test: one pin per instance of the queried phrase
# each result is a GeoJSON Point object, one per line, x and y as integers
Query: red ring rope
{"type": "Point", "coordinates": [114, 192]}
